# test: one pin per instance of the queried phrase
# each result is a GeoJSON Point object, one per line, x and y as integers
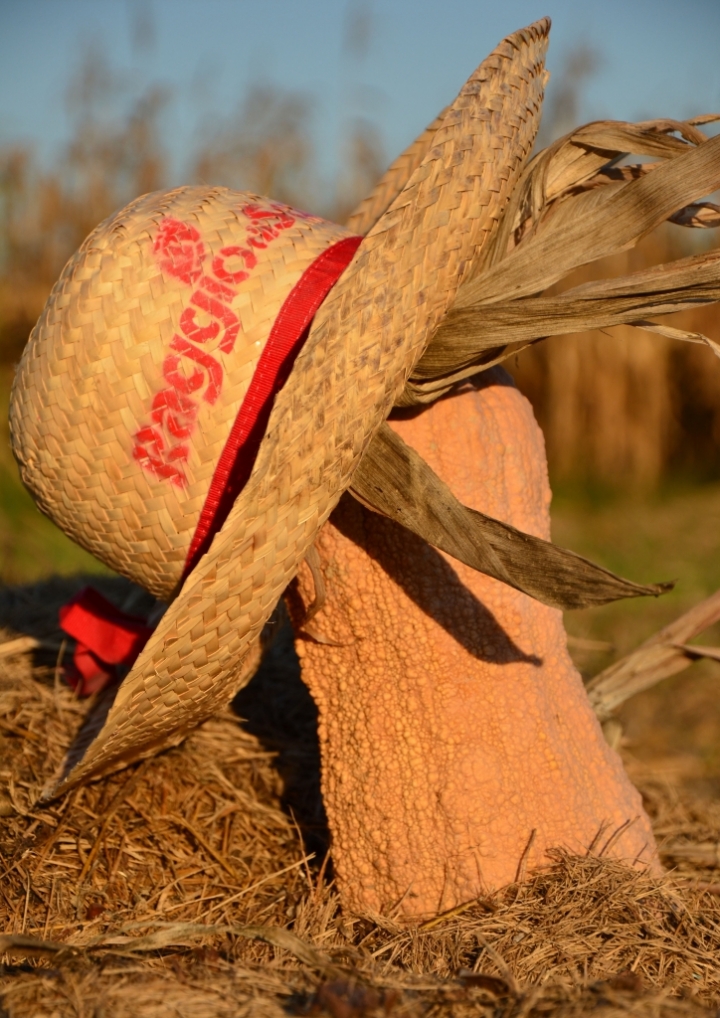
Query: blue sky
{"type": "Point", "coordinates": [657, 58]}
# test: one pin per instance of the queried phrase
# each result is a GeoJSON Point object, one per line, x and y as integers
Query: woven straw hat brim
{"type": "Point", "coordinates": [365, 339]}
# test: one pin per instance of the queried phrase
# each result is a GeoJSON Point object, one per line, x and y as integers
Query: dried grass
{"type": "Point", "coordinates": [182, 886]}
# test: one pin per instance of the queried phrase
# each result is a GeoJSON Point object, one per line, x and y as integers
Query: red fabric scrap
{"type": "Point", "coordinates": [107, 641]}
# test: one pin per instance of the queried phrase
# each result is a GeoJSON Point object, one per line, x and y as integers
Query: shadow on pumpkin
{"type": "Point", "coordinates": [432, 584]}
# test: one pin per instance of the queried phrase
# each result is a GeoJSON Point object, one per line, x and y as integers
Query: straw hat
{"type": "Point", "coordinates": [140, 408]}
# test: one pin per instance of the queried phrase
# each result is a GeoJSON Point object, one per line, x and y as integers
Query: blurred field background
{"type": "Point", "coordinates": [631, 419]}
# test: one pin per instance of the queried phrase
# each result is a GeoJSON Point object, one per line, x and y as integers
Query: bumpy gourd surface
{"type": "Point", "coordinates": [453, 724]}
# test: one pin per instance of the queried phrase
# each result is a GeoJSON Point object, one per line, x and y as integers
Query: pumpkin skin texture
{"type": "Point", "coordinates": [458, 745]}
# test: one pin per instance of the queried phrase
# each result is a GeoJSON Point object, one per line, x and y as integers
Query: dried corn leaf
{"type": "Point", "coordinates": [419, 391]}
{"type": "Point", "coordinates": [681, 334]}
{"type": "Point", "coordinates": [608, 174]}
{"type": "Point", "coordinates": [583, 159]}
{"type": "Point", "coordinates": [572, 161]}
{"type": "Point", "coordinates": [564, 195]}
{"type": "Point", "coordinates": [497, 312]}
{"type": "Point", "coordinates": [467, 335]}
{"type": "Point", "coordinates": [595, 224]}
{"type": "Point", "coordinates": [664, 654]}
{"type": "Point", "coordinates": [394, 480]}
{"type": "Point", "coordinates": [700, 216]}
{"type": "Point", "coordinates": [648, 138]}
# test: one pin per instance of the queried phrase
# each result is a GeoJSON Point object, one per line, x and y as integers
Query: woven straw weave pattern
{"type": "Point", "coordinates": [364, 342]}
{"type": "Point", "coordinates": [94, 362]}
{"type": "Point", "coordinates": [392, 181]}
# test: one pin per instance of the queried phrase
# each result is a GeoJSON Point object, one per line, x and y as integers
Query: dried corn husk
{"type": "Point", "coordinates": [395, 481]}
{"type": "Point", "coordinates": [574, 205]}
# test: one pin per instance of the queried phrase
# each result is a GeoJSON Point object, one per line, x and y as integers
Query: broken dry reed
{"type": "Point", "coordinates": [184, 885]}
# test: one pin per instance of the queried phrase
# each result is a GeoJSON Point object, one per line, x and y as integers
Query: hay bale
{"type": "Point", "coordinates": [197, 883]}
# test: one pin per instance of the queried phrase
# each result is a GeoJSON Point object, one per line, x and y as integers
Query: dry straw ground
{"type": "Point", "coordinates": [197, 884]}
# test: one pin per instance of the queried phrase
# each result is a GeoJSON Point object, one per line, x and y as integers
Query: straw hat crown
{"type": "Point", "coordinates": [134, 373]}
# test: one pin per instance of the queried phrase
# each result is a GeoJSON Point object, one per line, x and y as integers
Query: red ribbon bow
{"type": "Point", "coordinates": [108, 640]}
